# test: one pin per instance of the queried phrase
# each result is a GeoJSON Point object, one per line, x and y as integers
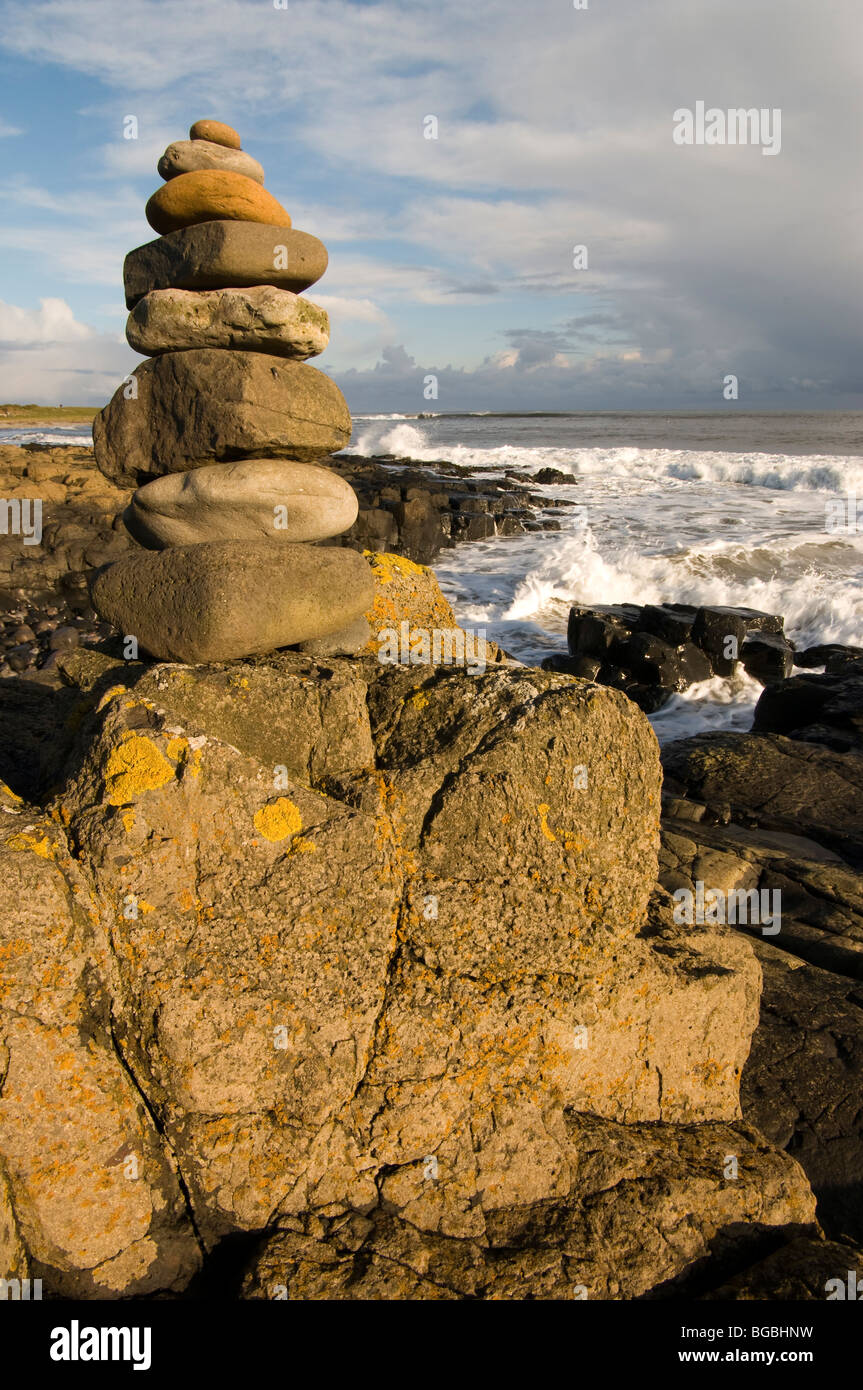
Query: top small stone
{"type": "Point", "coordinates": [215, 132]}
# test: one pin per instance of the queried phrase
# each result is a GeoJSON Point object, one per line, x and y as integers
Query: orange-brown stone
{"type": "Point", "coordinates": [217, 131]}
{"type": "Point", "coordinates": [208, 195]}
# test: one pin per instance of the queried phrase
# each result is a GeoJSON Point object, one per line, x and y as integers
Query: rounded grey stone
{"type": "Point", "coordinates": [253, 499]}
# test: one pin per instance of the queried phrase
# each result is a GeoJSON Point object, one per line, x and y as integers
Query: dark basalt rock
{"type": "Point", "coordinates": [419, 509]}
{"type": "Point", "coordinates": [767, 656]}
{"type": "Point", "coordinates": [826, 709]}
{"type": "Point", "coordinates": [654, 662]}
{"type": "Point", "coordinates": [824, 653]}
{"type": "Point", "coordinates": [675, 645]}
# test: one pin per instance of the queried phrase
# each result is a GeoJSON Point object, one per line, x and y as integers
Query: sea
{"type": "Point", "coordinates": [702, 508]}
{"type": "Point", "coordinates": [690, 507]}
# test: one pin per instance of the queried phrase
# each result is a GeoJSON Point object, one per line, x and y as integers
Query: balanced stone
{"type": "Point", "coordinates": [185, 156]}
{"type": "Point", "coordinates": [183, 410]}
{"type": "Point", "coordinates": [259, 319]}
{"type": "Point", "coordinates": [207, 194]}
{"type": "Point", "coordinates": [213, 255]}
{"type": "Point", "coordinates": [217, 132]}
{"type": "Point", "coordinates": [203, 603]}
{"type": "Point", "coordinates": [258, 499]}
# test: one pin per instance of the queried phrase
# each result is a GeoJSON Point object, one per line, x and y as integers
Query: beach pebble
{"type": "Point", "coordinates": [206, 195]}
{"type": "Point", "coordinates": [63, 639]}
{"type": "Point", "coordinates": [217, 132]}
{"type": "Point", "coordinates": [185, 156]}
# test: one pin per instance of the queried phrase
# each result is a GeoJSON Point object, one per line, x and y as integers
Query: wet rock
{"type": "Point", "coordinates": [767, 657]}
{"type": "Point", "coordinates": [820, 655]}
{"type": "Point", "coordinates": [802, 1082]}
{"type": "Point", "coordinates": [774, 783]}
{"type": "Point", "coordinates": [824, 709]}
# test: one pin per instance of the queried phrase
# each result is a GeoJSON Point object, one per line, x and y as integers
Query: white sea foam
{"type": "Point", "coordinates": [774, 472]}
{"type": "Point", "coordinates": [69, 435]}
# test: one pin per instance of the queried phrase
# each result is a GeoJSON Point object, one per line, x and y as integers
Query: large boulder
{"type": "Point", "coordinates": [825, 709]}
{"type": "Point", "coordinates": [233, 598]}
{"type": "Point", "coordinates": [185, 409]}
{"type": "Point", "coordinates": [429, 943]}
{"type": "Point", "coordinates": [636, 1207]}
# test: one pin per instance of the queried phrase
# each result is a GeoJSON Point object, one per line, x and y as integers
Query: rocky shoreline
{"type": "Point", "coordinates": [406, 509]}
{"type": "Point", "coordinates": [171, 874]}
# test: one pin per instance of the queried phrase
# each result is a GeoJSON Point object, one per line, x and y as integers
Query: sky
{"type": "Point", "coordinates": [453, 257]}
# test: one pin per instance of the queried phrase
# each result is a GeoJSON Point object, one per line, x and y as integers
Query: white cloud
{"type": "Point", "coordinates": [52, 322]}
{"type": "Point", "coordinates": [555, 129]}
{"type": "Point", "coordinates": [7, 129]}
{"type": "Point", "coordinates": [66, 373]}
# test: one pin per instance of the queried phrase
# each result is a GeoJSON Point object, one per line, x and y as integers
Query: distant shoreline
{"type": "Point", "coordinates": [11, 415]}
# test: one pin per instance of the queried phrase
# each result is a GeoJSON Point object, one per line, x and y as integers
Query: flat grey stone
{"type": "Point", "coordinates": [219, 254]}
{"type": "Point", "coordinates": [200, 603]}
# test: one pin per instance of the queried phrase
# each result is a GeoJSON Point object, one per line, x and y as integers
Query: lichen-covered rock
{"type": "Point", "coordinates": [93, 1187]}
{"type": "Point", "coordinates": [408, 593]}
{"type": "Point", "coordinates": [259, 319]}
{"type": "Point", "coordinates": [423, 945]}
{"type": "Point", "coordinates": [636, 1206]}
{"type": "Point", "coordinates": [375, 966]}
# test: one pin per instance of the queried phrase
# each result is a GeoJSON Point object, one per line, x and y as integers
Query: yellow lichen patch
{"type": "Point", "coordinates": [42, 847]}
{"type": "Point", "coordinates": [177, 748]}
{"type": "Point", "coordinates": [110, 694]}
{"type": "Point", "coordinates": [135, 766]}
{"type": "Point", "coordinates": [278, 820]}
{"type": "Point", "coordinates": [303, 846]}
{"type": "Point", "coordinates": [386, 567]}
{"type": "Point", "coordinates": [569, 841]}
{"type": "Point", "coordinates": [7, 791]}
{"type": "Point", "coordinates": [419, 700]}
{"type": "Point", "coordinates": [128, 819]}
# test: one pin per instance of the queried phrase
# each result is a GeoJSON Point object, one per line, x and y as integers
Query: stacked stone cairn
{"type": "Point", "coordinates": [218, 431]}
